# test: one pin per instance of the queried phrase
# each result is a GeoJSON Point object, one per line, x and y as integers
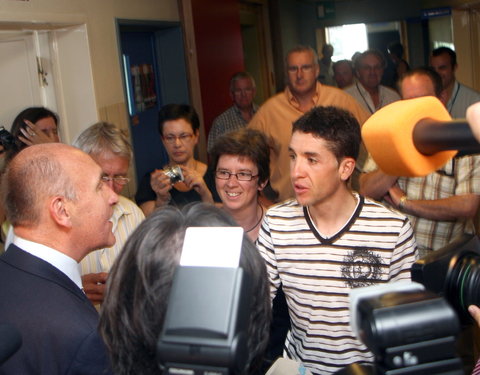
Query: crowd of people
{"type": "Point", "coordinates": [86, 272]}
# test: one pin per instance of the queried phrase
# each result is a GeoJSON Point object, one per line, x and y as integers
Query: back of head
{"type": "Point", "coordinates": [396, 49]}
{"type": "Point", "coordinates": [428, 72]}
{"type": "Point", "coordinates": [171, 112]}
{"type": "Point", "coordinates": [249, 143]}
{"type": "Point", "coordinates": [102, 137]}
{"type": "Point", "coordinates": [336, 126]}
{"type": "Point", "coordinates": [139, 285]}
{"type": "Point", "coordinates": [36, 173]}
{"type": "Point", "coordinates": [32, 114]}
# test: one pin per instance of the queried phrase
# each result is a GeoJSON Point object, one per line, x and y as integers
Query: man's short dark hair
{"type": "Point", "coordinates": [336, 126]}
{"type": "Point", "coordinates": [445, 50]}
{"type": "Point", "coordinates": [341, 62]}
{"type": "Point", "coordinates": [171, 112]}
{"type": "Point", "coordinates": [425, 71]}
{"type": "Point", "coordinates": [249, 143]}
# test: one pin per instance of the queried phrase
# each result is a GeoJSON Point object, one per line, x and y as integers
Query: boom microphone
{"type": "Point", "coordinates": [10, 341]}
{"type": "Point", "coordinates": [417, 136]}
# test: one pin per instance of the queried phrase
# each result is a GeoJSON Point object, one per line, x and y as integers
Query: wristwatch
{"type": "Point", "coordinates": [401, 203]}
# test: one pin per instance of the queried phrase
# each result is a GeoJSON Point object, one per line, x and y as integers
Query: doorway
{"type": "Point", "coordinates": [258, 59]}
{"type": "Point", "coordinates": [47, 65]}
{"type": "Point", "coordinates": [153, 62]}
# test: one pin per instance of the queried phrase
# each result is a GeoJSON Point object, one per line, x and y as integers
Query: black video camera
{"type": "Point", "coordinates": [454, 273]}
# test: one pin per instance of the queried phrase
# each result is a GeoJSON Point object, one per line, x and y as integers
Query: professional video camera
{"type": "Point", "coordinates": [412, 331]}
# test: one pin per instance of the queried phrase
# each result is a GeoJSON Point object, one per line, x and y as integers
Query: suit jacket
{"type": "Point", "coordinates": [57, 322]}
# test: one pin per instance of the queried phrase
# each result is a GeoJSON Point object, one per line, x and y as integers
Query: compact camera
{"type": "Point", "coordinates": [6, 138]}
{"type": "Point", "coordinates": [175, 174]}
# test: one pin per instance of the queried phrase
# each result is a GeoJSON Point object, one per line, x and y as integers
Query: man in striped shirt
{"type": "Point", "coordinates": [329, 240]}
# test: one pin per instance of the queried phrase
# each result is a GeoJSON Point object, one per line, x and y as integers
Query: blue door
{"type": "Point", "coordinates": [154, 75]}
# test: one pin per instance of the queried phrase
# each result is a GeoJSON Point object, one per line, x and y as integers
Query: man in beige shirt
{"type": "Point", "coordinates": [302, 93]}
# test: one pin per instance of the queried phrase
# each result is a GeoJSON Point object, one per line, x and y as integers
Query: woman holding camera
{"type": "Point", "coordinates": [179, 129]}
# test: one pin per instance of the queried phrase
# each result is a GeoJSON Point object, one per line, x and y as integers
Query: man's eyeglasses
{"type": "Point", "coordinates": [185, 137]}
{"type": "Point", "coordinates": [303, 68]}
{"type": "Point", "coordinates": [241, 176]}
{"type": "Point", "coordinates": [118, 179]}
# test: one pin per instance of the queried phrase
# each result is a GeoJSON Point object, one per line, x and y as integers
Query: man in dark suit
{"type": "Point", "coordinates": [60, 209]}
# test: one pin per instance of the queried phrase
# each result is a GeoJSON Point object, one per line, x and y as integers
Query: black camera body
{"type": "Point", "coordinates": [454, 273]}
{"type": "Point", "coordinates": [6, 138]}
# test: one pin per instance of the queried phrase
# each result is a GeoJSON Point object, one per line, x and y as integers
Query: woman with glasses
{"type": "Point", "coordinates": [241, 162]}
{"type": "Point", "coordinates": [179, 126]}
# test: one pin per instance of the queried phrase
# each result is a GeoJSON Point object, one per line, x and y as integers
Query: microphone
{"type": "Point", "coordinates": [10, 341]}
{"type": "Point", "coordinates": [417, 136]}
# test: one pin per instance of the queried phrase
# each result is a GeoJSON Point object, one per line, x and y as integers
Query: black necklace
{"type": "Point", "coordinates": [454, 99]}
{"type": "Point", "coordinates": [258, 222]}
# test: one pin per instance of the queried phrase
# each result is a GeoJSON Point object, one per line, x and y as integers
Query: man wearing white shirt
{"type": "Point", "coordinates": [60, 209]}
{"type": "Point", "coordinates": [367, 90]}
{"type": "Point", "coordinates": [459, 96]}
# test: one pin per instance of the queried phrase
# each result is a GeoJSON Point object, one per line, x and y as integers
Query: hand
{"type": "Point", "coordinates": [475, 313]}
{"type": "Point", "coordinates": [32, 135]}
{"type": "Point", "coordinates": [193, 180]}
{"type": "Point", "coordinates": [161, 185]}
{"type": "Point", "coordinates": [94, 286]}
{"type": "Point", "coordinates": [394, 195]}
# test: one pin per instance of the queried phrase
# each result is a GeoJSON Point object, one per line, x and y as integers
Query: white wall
{"type": "Point", "coordinates": [98, 17]}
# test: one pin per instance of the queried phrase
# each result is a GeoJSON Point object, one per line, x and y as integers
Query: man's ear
{"type": "Point", "coordinates": [60, 212]}
{"type": "Point", "coordinates": [346, 168]}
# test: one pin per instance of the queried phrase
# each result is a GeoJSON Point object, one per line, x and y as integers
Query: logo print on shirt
{"type": "Point", "coordinates": [361, 268]}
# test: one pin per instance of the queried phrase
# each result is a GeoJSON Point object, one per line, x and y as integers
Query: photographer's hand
{"type": "Point", "coordinates": [161, 185]}
{"type": "Point", "coordinates": [32, 135]}
{"type": "Point", "coordinates": [194, 180]}
{"type": "Point", "coordinates": [475, 313]}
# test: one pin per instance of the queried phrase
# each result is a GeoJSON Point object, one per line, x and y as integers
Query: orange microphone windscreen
{"type": "Point", "coordinates": [388, 136]}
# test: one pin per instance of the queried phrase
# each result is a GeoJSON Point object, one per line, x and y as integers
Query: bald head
{"type": "Point", "coordinates": [36, 173]}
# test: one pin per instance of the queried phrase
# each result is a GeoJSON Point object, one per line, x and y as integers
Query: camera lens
{"type": "Point", "coordinates": [462, 284]}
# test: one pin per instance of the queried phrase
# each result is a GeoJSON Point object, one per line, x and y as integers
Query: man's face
{"type": "Point", "coordinates": [243, 93]}
{"type": "Point", "coordinates": [370, 71]}
{"type": "Point", "coordinates": [93, 208]}
{"type": "Point", "coordinates": [416, 86]}
{"type": "Point", "coordinates": [113, 166]}
{"type": "Point", "coordinates": [343, 74]}
{"type": "Point", "coordinates": [302, 73]}
{"type": "Point", "coordinates": [443, 66]}
{"type": "Point", "coordinates": [315, 173]}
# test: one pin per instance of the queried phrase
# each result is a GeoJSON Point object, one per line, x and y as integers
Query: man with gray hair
{"type": "Point", "coordinates": [242, 92]}
{"type": "Point", "coordinates": [367, 90]}
{"type": "Point", "coordinates": [111, 149]}
{"type": "Point", "coordinates": [60, 209]}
